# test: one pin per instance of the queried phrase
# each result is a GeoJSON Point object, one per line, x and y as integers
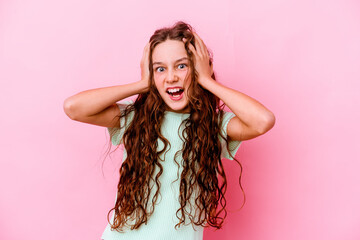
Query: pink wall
{"type": "Point", "coordinates": [299, 58]}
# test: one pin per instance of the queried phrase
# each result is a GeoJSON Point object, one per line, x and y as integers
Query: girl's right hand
{"type": "Point", "coordinates": [145, 73]}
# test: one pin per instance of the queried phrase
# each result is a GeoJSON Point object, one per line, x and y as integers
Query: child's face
{"type": "Point", "coordinates": [171, 73]}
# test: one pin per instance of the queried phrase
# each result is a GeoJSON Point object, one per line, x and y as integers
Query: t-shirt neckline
{"type": "Point", "coordinates": [176, 113]}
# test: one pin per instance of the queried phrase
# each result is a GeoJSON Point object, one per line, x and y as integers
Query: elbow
{"type": "Point", "coordinates": [68, 107]}
{"type": "Point", "coordinates": [269, 123]}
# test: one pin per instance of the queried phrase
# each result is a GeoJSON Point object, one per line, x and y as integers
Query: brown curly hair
{"type": "Point", "coordinates": [201, 152]}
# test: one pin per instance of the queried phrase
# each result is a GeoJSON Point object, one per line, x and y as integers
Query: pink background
{"type": "Point", "coordinates": [301, 59]}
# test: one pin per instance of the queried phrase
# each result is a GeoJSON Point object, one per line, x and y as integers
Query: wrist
{"type": "Point", "coordinates": [207, 82]}
{"type": "Point", "coordinates": [142, 86]}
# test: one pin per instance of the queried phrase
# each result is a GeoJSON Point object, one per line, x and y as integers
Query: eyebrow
{"type": "Point", "coordinates": [159, 63]}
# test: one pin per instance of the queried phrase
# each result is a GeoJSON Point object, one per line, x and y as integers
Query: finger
{"type": "Point", "coordinates": [146, 46]}
{"type": "Point", "coordinates": [147, 52]}
{"type": "Point", "coordinates": [192, 49]}
{"type": "Point", "coordinates": [145, 56]}
{"type": "Point", "coordinates": [202, 47]}
{"type": "Point", "coordinates": [145, 49]}
{"type": "Point", "coordinates": [197, 45]}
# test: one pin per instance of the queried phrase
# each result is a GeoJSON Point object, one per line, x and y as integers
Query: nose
{"type": "Point", "coordinates": [172, 76]}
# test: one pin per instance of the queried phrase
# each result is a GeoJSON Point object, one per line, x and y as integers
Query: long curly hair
{"type": "Point", "coordinates": [201, 151]}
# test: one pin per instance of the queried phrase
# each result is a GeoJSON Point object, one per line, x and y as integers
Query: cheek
{"type": "Point", "coordinates": [157, 82]}
{"type": "Point", "coordinates": [187, 80]}
{"type": "Point", "coordinates": [157, 76]}
{"type": "Point", "coordinates": [184, 73]}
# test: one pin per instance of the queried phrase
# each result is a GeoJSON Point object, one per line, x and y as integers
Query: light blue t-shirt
{"type": "Point", "coordinates": [160, 225]}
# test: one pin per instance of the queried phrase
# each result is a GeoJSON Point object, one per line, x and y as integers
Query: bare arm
{"type": "Point", "coordinates": [252, 118]}
{"type": "Point", "coordinates": [98, 106]}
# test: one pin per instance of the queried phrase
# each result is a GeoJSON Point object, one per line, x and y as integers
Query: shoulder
{"type": "Point", "coordinates": [224, 121]}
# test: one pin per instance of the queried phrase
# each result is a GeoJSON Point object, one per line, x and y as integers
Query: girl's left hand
{"type": "Point", "coordinates": [204, 69]}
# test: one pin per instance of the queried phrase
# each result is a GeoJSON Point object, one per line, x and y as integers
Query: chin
{"type": "Point", "coordinates": [179, 109]}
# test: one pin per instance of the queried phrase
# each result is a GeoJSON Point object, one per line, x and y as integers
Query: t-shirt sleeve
{"type": "Point", "coordinates": [233, 145]}
{"type": "Point", "coordinates": [116, 133]}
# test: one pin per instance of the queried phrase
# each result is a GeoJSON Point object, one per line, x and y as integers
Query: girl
{"type": "Point", "coordinates": [174, 135]}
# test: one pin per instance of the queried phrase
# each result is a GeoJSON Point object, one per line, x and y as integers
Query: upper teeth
{"type": "Point", "coordinates": [174, 90]}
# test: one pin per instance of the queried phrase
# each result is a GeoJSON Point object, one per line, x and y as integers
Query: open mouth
{"type": "Point", "coordinates": [175, 92]}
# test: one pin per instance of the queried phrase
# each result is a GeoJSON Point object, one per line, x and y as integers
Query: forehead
{"type": "Point", "coordinates": [169, 51]}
